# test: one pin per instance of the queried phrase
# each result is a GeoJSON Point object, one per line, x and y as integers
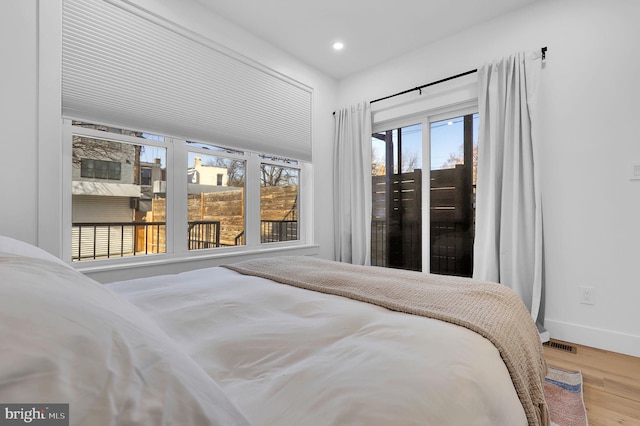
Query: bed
{"type": "Point", "coordinates": [278, 341]}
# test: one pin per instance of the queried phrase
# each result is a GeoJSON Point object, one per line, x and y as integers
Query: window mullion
{"type": "Point", "coordinates": [177, 215]}
{"type": "Point", "coordinates": [252, 201]}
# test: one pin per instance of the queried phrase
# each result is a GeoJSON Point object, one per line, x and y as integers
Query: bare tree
{"type": "Point", "coordinates": [409, 162]}
{"type": "Point", "coordinates": [84, 147]}
{"type": "Point", "coordinates": [378, 167]}
{"type": "Point", "coordinates": [458, 158]}
{"type": "Point", "coordinates": [271, 175]}
{"type": "Point", "coordinates": [235, 173]}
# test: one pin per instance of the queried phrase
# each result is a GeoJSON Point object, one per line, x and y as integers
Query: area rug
{"type": "Point", "coordinates": [563, 392]}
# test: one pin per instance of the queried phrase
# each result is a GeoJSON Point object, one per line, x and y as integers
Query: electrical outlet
{"type": "Point", "coordinates": [587, 295]}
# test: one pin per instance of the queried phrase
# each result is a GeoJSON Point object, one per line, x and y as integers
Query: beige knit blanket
{"type": "Point", "coordinates": [491, 310]}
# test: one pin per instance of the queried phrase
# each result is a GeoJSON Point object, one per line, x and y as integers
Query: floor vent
{"type": "Point", "coordinates": [561, 346]}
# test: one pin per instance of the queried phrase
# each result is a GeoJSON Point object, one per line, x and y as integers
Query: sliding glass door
{"type": "Point", "coordinates": [448, 189]}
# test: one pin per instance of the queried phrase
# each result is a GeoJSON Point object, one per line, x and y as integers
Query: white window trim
{"type": "Point", "coordinates": [50, 152]}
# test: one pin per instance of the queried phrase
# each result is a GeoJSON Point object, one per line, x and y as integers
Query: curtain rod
{"type": "Point", "coordinates": [419, 88]}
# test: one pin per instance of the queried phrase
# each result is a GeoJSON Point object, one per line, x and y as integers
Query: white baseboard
{"type": "Point", "coordinates": [628, 344]}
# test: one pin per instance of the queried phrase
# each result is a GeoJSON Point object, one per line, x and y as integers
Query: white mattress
{"type": "Point", "coordinates": [288, 356]}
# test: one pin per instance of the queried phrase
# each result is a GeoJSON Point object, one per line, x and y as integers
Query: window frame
{"type": "Point", "coordinates": [463, 113]}
{"type": "Point", "coordinates": [68, 131]}
{"type": "Point", "coordinates": [425, 117]}
{"type": "Point", "coordinates": [230, 154]}
{"type": "Point", "coordinates": [177, 190]}
{"type": "Point", "coordinates": [145, 180]}
{"type": "Point", "coordinates": [284, 163]}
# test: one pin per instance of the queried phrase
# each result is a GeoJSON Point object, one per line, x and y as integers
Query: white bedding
{"type": "Point", "coordinates": [288, 356]}
{"type": "Point", "coordinates": [68, 340]}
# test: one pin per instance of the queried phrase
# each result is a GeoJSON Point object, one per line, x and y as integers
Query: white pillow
{"type": "Point", "coordinates": [13, 246]}
{"type": "Point", "coordinates": [67, 339]}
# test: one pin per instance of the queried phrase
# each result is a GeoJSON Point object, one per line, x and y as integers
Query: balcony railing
{"type": "Point", "coordinates": [204, 234]}
{"type": "Point", "coordinates": [278, 230]}
{"type": "Point", "coordinates": [121, 239]}
{"type": "Point", "coordinates": [116, 239]}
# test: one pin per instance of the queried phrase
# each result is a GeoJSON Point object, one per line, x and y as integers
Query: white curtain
{"type": "Point", "coordinates": [508, 242]}
{"type": "Point", "coordinates": [352, 184]}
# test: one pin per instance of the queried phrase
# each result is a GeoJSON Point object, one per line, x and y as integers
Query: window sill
{"type": "Point", "coordinates": [120, 269]}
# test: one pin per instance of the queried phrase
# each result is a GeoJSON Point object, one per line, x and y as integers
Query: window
{"type": "Point", "coordinates": [128, 192]}
{"type": "Point", "coordinates": [267, 112]}
{"type": "Point", "coordinates": [278, 203]}
{"type": "Point", "coordinates": [146, 175]}
{"type": "Point", "coordinates": [215, 199]}
{"type": "Point", "coordinates": [116, 210]}
{"type": "Point", "coordinates": [99, 169]}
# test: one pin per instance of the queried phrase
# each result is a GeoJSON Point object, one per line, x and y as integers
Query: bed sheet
{"type": "Point", "coordinates": [68, 340]}
{"type": "Point", "coordinates": [289, 356]}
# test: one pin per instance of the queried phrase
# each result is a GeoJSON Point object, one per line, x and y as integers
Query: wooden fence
{"type": "Point", "coordinates": [396, 225]}
{"type": "Point", "coordinates": [451, 228]}
{"type": "Point", "coordinates": [278, 203]}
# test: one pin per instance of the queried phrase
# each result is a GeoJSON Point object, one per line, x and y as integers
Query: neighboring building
{"type": "Point", "coordinates": [153, 184]}
{"type": "Point", "coordinates": [203, 174]}
{"type": "Point", "coordinates": [105, 188]}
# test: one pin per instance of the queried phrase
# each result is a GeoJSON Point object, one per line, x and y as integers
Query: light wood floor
{"type": "Point", "coordinates": [611, 383]}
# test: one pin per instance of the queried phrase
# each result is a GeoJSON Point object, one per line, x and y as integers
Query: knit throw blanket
{"type": "Point", "coordinates": [491, 310]}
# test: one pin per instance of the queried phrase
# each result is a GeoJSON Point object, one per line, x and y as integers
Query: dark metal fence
{"type": "Point", "coordinates": [274, 231]}
{"type": "Point", "coordinates": [116, 239]}
{"type": "Point", "coordinates": [452, 216]}
{"type": "Point", "coordinates": [278, 230]}
{"type": "Point", "coordinates": [379, 242]}
{"type": "Point", "coordinates": [204, 234]}
{"type": "Point", "coordinates": [120, 239]}
{"type": "Point", "coordinates": [396, 223]}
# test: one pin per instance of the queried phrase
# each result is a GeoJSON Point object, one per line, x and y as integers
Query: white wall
{"type": "Point", "coordinates": [18, 113]}
{"type": "Point", "coordinates": [30, 114]}
{"type": "Point", "coordinates": [588, 115]}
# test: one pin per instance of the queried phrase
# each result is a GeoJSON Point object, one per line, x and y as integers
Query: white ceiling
{"type": "Point", "coordinates": [373, 31]}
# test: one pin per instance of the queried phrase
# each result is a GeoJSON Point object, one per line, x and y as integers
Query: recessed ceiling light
{"type": "Point", "coordinates": [338, 45]}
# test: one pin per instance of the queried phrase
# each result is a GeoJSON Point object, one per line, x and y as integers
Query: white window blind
{"type": "Point", "coordinates": [128, 68]}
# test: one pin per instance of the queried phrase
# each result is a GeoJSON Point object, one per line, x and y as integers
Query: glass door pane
{"type": "Point", "coordinates": [396, 225]}
{"type": "Point", "coordinates": [454, 150]}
